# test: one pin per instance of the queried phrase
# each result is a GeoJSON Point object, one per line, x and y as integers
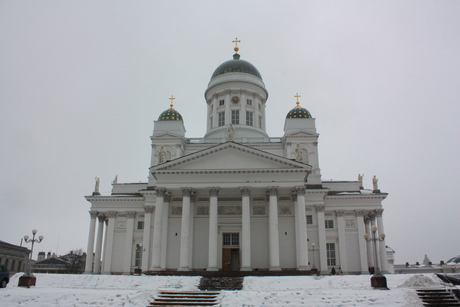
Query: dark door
{"type": "Point", "coordinates": [230, 259]}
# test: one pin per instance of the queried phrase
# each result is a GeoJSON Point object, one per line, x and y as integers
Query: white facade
{"type": "Point", "coordinates": [234, 199]}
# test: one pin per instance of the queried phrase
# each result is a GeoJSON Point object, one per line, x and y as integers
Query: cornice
{"type": "Point", "coordinates": [356, 196]}
{"type": "Point", "coordinates": [114, 198]}
{"type": "Point", "coordinates": [174, 172]}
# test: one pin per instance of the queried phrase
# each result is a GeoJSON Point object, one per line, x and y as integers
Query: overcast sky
{"type": "Point", "coordinates": [82, 81]}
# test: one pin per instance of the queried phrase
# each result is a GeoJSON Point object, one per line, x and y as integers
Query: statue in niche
{"type": "Point", "coordinates": [374, 183]}
{"type": "Point", "coordinates": [162, 155]}
{"type": "Point", "coordinates": [298, 153]}
{"type": "Point", "coordinates": [230, 133]}
{"type": "Point", "coordinates": [360, 179]}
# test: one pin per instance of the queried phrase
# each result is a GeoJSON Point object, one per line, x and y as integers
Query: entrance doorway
{"type": "Point", "coordinates": [230, 259]}
{"type": "Point", "coordinates": [230, 252]}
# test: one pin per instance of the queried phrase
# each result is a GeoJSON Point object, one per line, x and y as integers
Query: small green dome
{"type": "Point", "coordinates": [298, 112]}
{"type": "Point", "coordinates": [236, 65]}
{"type": "Point", "coordinates": [170, 114]}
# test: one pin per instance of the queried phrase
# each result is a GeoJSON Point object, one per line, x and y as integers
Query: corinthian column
{"type": "Point", "coordinates": [129, 242]}
{"type": "Point", "coordinates": [342, 240]}
{"type": "Point", "coordinates": [185, 228]}
{"type": "Point", "coordinates": [301, 239]}
{"type": "Point", "coordinates": [245, 230]}
{"type": "Point", "coordinates": [361, 241]}
{"type": "Point", "coordinates": [273, 232]}
{"type": "Point", "coordinates": [146, 239]}
{"type": "Point", "coordinates": [89, 254]}
{"type": "Point", "coordinates": [109, 244]}
{"type": "Point", "coordinates": [100, 233]}
{"type": "Point", "coordinates": [212, 253]}
{"type": "Point", "coordinates": [382, 245]}
{"type": "Point", "coordinates": [322, 239]}
{"type": "Point", "coordinates": [156, 252]}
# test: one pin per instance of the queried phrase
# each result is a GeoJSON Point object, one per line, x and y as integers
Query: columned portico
{"type": "Point", "coordinates": [301, 229]}
{"type": "Point", "coordinates": [185, 231]}
{"type": "Point", "coordinates": [157, 229]}
{"type": "Point", "coordinates": [89, 254]}
{"type": "Point", "coordinates": [245, 229]}
{"type": "Point", "coordinates": [342, 240]}
{"type": "Point", "coordinates": [100, 233]}
{"type": "Point", "coordinates": [129, 242]}
{"type": "Point", "coordinates": [213, 220]}
{"type": "Point", "coordinates": [109, 244]}
{"type": "Point", "coordinates": [273, 230]}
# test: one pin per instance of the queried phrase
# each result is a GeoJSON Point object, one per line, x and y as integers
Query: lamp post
{"type": "Point", "coordinates": [28, 279]}
{"type": "Point", "coordinates": [313, 249]}
{"type": "Point", "coordinates": [377, 280]}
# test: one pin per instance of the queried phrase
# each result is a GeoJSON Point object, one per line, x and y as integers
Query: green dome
{"type": "Point", "coordinates": [298, 112]}
{"type": "Point", "coordinates": [236, 65]}
{"type": "Point", "coordinates": [170, 114]}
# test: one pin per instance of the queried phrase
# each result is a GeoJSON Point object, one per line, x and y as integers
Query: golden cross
{"type": "Point", "coordinates": [236, 41]}
{"type": "Point", "coordinates": [297, 96]}
{"type": "Point", "coordinates": [172, 101]}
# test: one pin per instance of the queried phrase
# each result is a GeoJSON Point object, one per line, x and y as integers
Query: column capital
{"type": "Point", "coordinates": [160, 192]}
{"type": "Point", "coordinates": [214, 191]}
{"type": "Point", "coordinates": [299, 190]}
{"type": "Point", "coordinates": [359, 212]}
{"type": "Point", "coordinates": [245, 191]}
{"type": "Point", "coordinates": [148, 209]}
{"type": "Point", "coordinates": [378, 212]}
{"type": "Point", "coordinates": [93, 214]}
{"type": "Point", "coordinates": [272, 191]}
{"type": "Point", "coordinates": [167, 197]}
{"type": "Point", "coordinates": [101, 218]}
{"type": "Point", "coordinates": [186, 191]}
{"type": "Point", "coordinates": [320, 208]}
{"type": "Point", "coordinates": [130, 214]}
{"type": "Point", "coordinates": [340, 213]}
{"type": "Point", "coordinates": [371, 215]}
{"type": "Point", "coordinates": [112, 214]}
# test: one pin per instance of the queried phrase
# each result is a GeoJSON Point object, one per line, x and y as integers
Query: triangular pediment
{"type": "Point", "coordinates": [230, 156]}
{"type": "Point", "coordinates": [301, 133]}
{"type": "Point", "coordinates": [166, 135]}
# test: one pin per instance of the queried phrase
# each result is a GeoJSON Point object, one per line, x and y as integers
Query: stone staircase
{"type": "Point", "coordinates": [438, 297]}
{"type": "Point", "coordinates": [220, 283]}
{"type": "Point", "coordinates": [185, 298]}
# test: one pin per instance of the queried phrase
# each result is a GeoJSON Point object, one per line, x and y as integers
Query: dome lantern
{"type": "Point", "coordinates": [171, 113]}
{"type": "Point", "coordinates": [298, 111]}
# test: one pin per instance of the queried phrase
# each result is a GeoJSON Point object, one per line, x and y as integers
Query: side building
{"type": "Point", "coordinates": [14, 257]}
{"type": "Point", "coordinates": [235, 199]}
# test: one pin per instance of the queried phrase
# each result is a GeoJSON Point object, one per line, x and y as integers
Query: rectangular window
{"type": "Point", "coordinates": [221, 102]}
{"type": "Point", "coordinates": [309, 219]}
{"type": "Point", "coordinates": [260, 122]}
{"type": "Point", "coordinates": [249, 119]}
{"type": "Point", "coordinates": [231, 239]}
{"type": "Point", "coordinates": [140, 225]}
{"type": "Point", "coordinates": [330, 250]}
{"type": "Point", "coordinates": [329, 224]}
{"type": "Point", "coordinates": [221, 119]}
{"type": "Point", "coordinates": [249, 102]}
{"type": "Point", "coordinates": [235, 117]}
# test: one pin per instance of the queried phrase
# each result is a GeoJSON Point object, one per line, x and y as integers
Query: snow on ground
{"type": "Point", "coordinates": [112, 290]}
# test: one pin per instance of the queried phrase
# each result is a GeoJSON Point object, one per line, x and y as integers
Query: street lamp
{"type": "Point", "coordinates": [377, 280]}
{"type": "Point", "coordinates": [313, 249]}
{"type": "Point", "coordinates": [28, 279]}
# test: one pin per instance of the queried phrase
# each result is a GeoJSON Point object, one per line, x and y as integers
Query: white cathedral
{"type": "Point", "coordinates": [235, 199]}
